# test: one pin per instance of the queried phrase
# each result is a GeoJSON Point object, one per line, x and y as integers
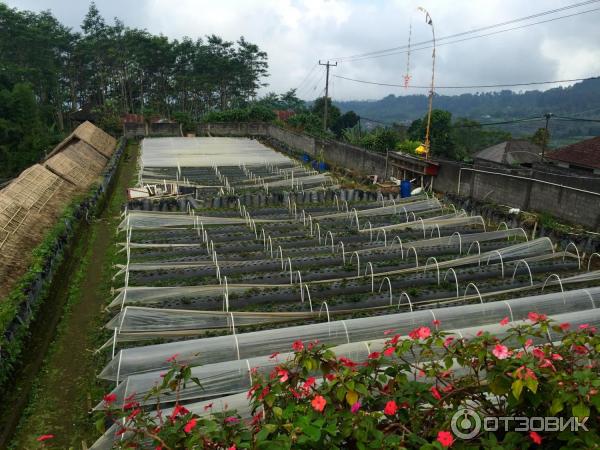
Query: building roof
{"type": "Point", "coordinates": [516, 151]}
{"type": "Point", "coordinates": [584, 154]}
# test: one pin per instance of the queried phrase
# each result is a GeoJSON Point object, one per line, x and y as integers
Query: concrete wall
{"type": "Point", "coordinates": [563, 202]}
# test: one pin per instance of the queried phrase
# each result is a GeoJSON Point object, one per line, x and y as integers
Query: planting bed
{"type": "Point", "coordinates": [262, 251]}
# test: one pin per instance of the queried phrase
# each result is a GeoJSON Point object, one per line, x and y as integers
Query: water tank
{"type": "Point", "coordinates": [405, 188]}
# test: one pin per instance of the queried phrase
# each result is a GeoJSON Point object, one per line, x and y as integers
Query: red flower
{"type": "Point", "coordinates": [565, 326]}
{"type": "Point", "coordinates": [207, 407]}
{"type": "Point", "coordinates": [504, 321]}
{"type": "Point", "coordinates": [264, 393]}
{"type": "Point", "coordinates": [420, 333]}
{"type": "Point", "coordinates": [538, 353]}
{"type": "Point", "coordinates": [374, 355]}
{"type": "Point", "coordinates": [436, 323]}
{"type": "Point", "coordinates": [330, 376]}
{"type": "Point", "coordinates": [579, 349]}
{"type": "Point", "coordinates": [190, 425]}
{"type": "Point", "coordinates": [283, 375]}
{"type": "Point", "coordinates": [172, 358]}
{"type": "Point", "coordinates": [233, 447]}
{"type": "Point", "coordinates": [479, 333]}
{"type": "Point", "coordinates": [347, 362]}
{"type": "Point", "coordinates": [231, 419]}
{"type": "Point", "coordinates": [318, 403]}
{"type": "Point", "coordinates": [389, 351]}
{"type": "Point", "coordinates": [390, 408]}
{"type": "Point", "coordinates": [390, 331]}
{"type": "Point", "coordinates": [435, 392]}
{"type": "Point", "coordinates": [448, 341]}
{"type": "Point", "coordinates": [529, 374]}
{"type": "Point", "coordinates": [298, 346]}
{"type": "Point", "coordinates": [556, 357]}
{"type": "Point", "coordinates": [179, 410]}
{"type": "Point", "coordinates": [310, 381]}
{"type": "Point", "coordinates": [273, 355]}
{"type": "Point", "coordinates": [45, 437]}
{"type": "Point", "coordinates": [536, 438]}
{"type": "Point", "coordinates": [445, 438]}
{"type": "Point", "coordinates": [535, 317]}
{"type": "Point", "coordinates": [109, 399]}
{"type": "Point", "coordinates": [133, 413]}
{"type": "Point", "coordinates": [131, 405]}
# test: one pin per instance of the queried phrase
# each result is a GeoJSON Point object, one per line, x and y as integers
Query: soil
{"type": "Point", "coordinates": [56, 386]}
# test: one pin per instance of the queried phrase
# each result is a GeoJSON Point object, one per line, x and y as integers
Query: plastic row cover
{"type": "Point", "coordinates": [247, 345]}
{"type": "Point", "coordinates": [232, 378]}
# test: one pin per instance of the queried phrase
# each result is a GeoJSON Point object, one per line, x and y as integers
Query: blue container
{"type": "Point", "coordinates": [405, 188]}
{"type": "Point", "coordinates": [305, 158]}
{"type": "Point", "coordinates": [323, 167]}
{"type": "Point", "coordinates": [315, 164]}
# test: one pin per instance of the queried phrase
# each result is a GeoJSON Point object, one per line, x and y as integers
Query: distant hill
{"type": "Point", "coordinates": [582, 100]}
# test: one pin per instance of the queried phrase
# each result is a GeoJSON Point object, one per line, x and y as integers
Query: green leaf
{"type": "Point", "coordinates": [313, 433]}
{"type": "Point", "coordinates": [532, 384]}
{"type": "Point", "coordinates": [517, 388]}
{"type": "Point", "coordinates": [557, 406]}
{"type": "Point", "coordinates": [581, 410]}
{"type": "Point", "coordinates": [351, 397]}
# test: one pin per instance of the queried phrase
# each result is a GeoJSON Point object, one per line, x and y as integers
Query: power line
{"type": "Point", "coordinates": [307, 76]}
{"type": "Point", "coordinates": [399, 51]}
{"type": "Point", "coordinates": [531, 83]}
{"type": "Point", "coordinates": [576, 119]}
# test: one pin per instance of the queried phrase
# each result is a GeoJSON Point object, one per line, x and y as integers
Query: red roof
{"type": "Point", "coordinates": [584, 153]}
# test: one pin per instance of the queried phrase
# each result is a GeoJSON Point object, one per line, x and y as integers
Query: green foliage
{"type": "Point", "coordinates": [541, 137]}
{"type": "Point", "coordinates": [469, 136]}
{"type": "Point", "coordinates": [381, 139]}
{"type": "Point", "coordinates": [346, 121]}
{"type": "Point", "coordinates": [333, 112]}
{"type": "Point", "coordinates": [404, 395]}
{"type": "Point", "coordinates": [408, 146]}
{"type": "Point", "coordinates": [251, 114]}
{"type": "Point", "coordinates": [307, 122]}
{"type": "Point", "coordinates": [440, 134]}
{"type": "Point", "coordinates": [286, 101]}
{"type": "Point", "coordinates": [106, 70]}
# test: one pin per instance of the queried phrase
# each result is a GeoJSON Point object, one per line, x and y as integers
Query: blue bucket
{"type": "Point", "coordinates": [305, 158]}
{"type": "Point", "coordinates": [405, 188]}
{"type": "Point", "coordinates": [323, 167]}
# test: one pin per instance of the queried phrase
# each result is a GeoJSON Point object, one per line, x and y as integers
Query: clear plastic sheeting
{"type": "Point", "coordinates": [152, 294]}
{"type": "Point", "coordinates": [248, 345]}
{"type": "Point", "coordinates": [420, 206]}
{"type": "Point", "coordinates": [233, 377]}
{"type": "Point", "coordinates": [207, 152]}
{"type": "Point", "coordinates": [229, 377]}
{"type": "Point", "coordinates": [153, 219]}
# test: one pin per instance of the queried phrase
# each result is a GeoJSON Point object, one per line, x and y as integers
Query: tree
{"type": "Point", "coordinates": [346, 120]}
{"type": "Point", "coordinates": [541, 137]}
{"type": "Point", "coordinates": [440, 134]}
{"type": "Point", "coordinates": [333, 112]}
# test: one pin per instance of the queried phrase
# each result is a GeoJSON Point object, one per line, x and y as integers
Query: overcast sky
{"type": "Point", "coordinates": [296, 34]}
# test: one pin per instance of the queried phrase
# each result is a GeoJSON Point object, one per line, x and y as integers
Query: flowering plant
{"type": "Point", "coordinates": [404, 395]}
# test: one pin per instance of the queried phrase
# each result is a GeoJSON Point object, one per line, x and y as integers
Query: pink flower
{"type": "Point", "coordinates": [579, 349]}
{"type": "Point", "coordinates": [528, 343]}
{"type": "Point", "coordinates": [207, 407]}
{"type": "Point", "coordinates": [389, 351]}
{"type": "Point", "coordinates": [355, 407]}
{"type": "Point", "coordinates": [436, 323]}
{"type": "Point", "coordinates": [536, 438]}
{"type": "Point", "coordinates": [420, 333]}
{"type": "Point", "coordinates": [298, 346]}
{"type": "Point", "coordinates": [283, 375]}
{"type": "Point", "coordinates": [109, 399]}
{"type": "Point", "coordinates": [535, 317]}
{"type": "Point", "coordinates": [45, 437]}
{"type": "Point", "coordinates": [565, 326]}
{"type": "Point", "coordinates": [501, 351]}
{"type": "Point", "coordinates": [390, 408]}
{"type": "Point", "coordinates": [479, 333]}
{"type": "Point", "coordinates": [445, 438]}
{"type": "Point", "coordinates": [173, 357]}
{"type": "Point", "coordinates": [233, 447]}
{"type": "Point", "coordinates": [318, 403]}
{"type": "Point", "coordinates": [538, 353]}
{"type": "Point", "coordinates": [374, 355]}
{"type": "Point", "coordinates": [435, 392]}
{"type": "Point", "coordinates": [190, 425]}
{"type": "Point", "coordinates": [231, 419]}
{"type": "Point", "coordinates": [529, 374]}
{"type": "Point", "coordinates": [274, 355]}
{"type": "Point", "coordinates": [557, 357]}
{"type": "Point", "coordinates": [386, 332]}
{"type": "Point", "coordinates": [448, 341]}
{"type": "Point", "coordinates": [547, 363]}
{"type": "Point", "coordinates": [504, 321]}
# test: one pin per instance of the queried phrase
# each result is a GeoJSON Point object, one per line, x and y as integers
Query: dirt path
{"type": "Point", "coordinates": [60, 392]}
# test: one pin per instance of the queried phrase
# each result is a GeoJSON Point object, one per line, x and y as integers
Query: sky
{"type": "Point", "coordinates": [296, 34]}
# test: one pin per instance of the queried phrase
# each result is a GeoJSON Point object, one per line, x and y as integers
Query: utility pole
{"type": "Point", "coordinates": [547, 116]}
{"type": "Point", "coordinates": [327, 66]}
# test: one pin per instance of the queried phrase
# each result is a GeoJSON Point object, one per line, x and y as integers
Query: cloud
{"type": "Point", "coordinates": [297, 33]}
